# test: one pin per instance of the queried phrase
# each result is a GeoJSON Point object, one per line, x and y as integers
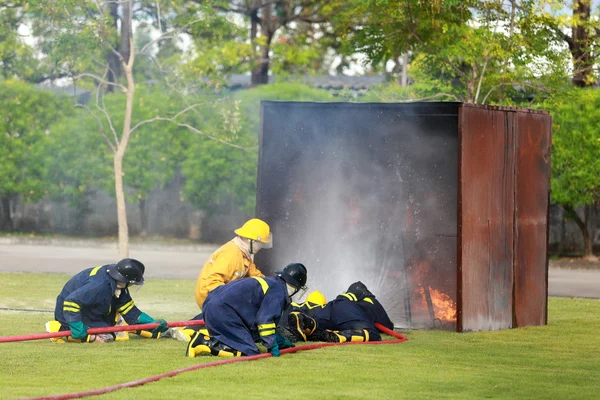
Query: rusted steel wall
{"type": "Point", "coordinates": [364, 191]}
{"type": "Point", "coordinates": [532, 171]}
{"type": "Point", "coordinates": [486, 210]}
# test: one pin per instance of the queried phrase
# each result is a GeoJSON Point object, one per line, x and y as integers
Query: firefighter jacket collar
{"type": "Point", "coordinates": [244, 246]}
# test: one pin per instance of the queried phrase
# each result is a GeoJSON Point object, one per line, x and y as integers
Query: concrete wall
{"type": "Point", "coordinates": [167, 216]}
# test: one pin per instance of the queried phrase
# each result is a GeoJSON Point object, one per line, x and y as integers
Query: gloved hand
{"type": "Point", "coordinates": [146, 319]}
{"type": "Point", "coordinates": [283, 343]}
{"type": "Point", "coordinates": [78, 330]}
{"type": "Point", "coordinates": [161, 328]}
{"type": "Point", "coordinates": [275, 350]}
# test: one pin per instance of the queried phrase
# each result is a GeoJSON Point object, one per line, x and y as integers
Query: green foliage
{"type": "Point", "coordinates": [78, 159]}
{"type": "Point", "coordinates": [575, 147]}
{"type": "Point", "coordinates": [219, 176]}
{"type": "Point", "coordinates": [554, 361]}
{"type": "Point", "coordinates": [26, 124]}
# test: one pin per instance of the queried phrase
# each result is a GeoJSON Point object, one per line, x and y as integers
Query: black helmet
{"type": "Point", "coordinates": [294, 274]}
{"type": "Point", "coordinates": [360, 290]}
{"type": "Point", "coordinates": [128, 270]}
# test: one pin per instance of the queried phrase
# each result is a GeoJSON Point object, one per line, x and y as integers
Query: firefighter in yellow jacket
{"type": "Point", "coordinates": [235, 259]}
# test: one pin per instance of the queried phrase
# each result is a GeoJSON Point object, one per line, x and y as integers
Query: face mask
{"type": "Point", "coordinates": [291, 291]}
{"type": "Point", "coordinates": [120, 286]}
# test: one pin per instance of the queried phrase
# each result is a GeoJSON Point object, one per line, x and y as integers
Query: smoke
{"type": "Point", "coordinates": [363, 192]}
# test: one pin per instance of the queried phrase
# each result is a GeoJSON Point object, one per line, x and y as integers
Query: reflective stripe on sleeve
{"type": "Point", "coordinates": [126, 308]}
{"type": "Point", "coordinates": [71, 304]}
{"type": "Point", "coordinates": [263, 284]}
{"type": "Point", "coordinates": [95, 270]}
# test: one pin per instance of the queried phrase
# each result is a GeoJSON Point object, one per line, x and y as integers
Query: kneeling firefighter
{"type": "Point", "coordinates": [351, 317]}
{"type": "Point", "coordinates": [94, 297]}
{"type": "Point", "coordinates": [246, 308]}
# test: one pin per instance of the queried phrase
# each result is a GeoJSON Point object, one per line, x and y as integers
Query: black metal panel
{"type": "Point", "coordinates": [364, 192]}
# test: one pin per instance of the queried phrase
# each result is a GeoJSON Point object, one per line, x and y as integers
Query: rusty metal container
{"type": "Point", "coordinates": [441, 209]}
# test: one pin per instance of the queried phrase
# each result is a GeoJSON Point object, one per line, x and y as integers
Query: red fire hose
{"type": "Point", "coordinates": [399, 339]}
{"type": "Point", "coordinates": [94, 331]}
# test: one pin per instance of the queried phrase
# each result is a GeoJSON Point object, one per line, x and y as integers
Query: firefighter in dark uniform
{"type": "Point", "coordinates": [245, 309]}
{"type": "Point", "coordinates": [351, 317]}
{"type": "Point", "coordinates": [93, 297]}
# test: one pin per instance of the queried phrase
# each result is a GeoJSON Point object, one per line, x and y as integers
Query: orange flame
{"type": "Point", "coordinates": [444, 307]}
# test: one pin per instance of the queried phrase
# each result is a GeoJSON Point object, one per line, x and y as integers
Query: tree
{"type": "Point", "coordinates": [580, 31]}
{"type": "Point", "coordinates": [81, 34]}
{"type": "Point", "coordinates": [575, 162]}
{"type": "Point", "coordinates": [265, 18]}
{"type": "Point", "coordinates": [474, 51]}
{"type": "Point", "coordinates": [27, 116]}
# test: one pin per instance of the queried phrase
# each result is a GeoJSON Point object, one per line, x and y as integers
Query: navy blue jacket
{"type": "Point", "coordinates": [347, 311]}
{"type": "Point", "coordinates": [89, 297]}
{"type": "Point", "coordinates": [245, 308]}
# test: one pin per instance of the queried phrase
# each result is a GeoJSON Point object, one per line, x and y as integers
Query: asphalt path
{"type": "Point", "coordinates": [184, 262]}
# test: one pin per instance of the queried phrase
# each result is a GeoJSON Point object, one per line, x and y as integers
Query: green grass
{"type": "Point", "coordinates": [558, 361]}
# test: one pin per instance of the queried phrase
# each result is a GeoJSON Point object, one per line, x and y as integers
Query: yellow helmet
{"type": "Point", "coordinates": [316, 297]}
{"type": "Point", "coordinates": [256, 229]}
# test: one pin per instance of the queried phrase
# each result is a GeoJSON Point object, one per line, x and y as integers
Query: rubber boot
{"type": "Point", "coordinates": [354, 335]}
{"type": "Point", "coordinates": [301, 325]}
{"type": "Point", "coordinates": [54, 326]}
{"type": "Point", "coordinates": [205, 344]}
{"type": "Point", "coordinates": [148, 334]}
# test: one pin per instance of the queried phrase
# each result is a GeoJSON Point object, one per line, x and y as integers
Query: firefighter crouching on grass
{"type": "Point", "coordinates": [238, 312]}
{"type": "Point", "coordinates": [351, 317]}
{"type": "Point", "coordinates": [235, 259]}
{"type": "Point", "coordinates": [93, 297]}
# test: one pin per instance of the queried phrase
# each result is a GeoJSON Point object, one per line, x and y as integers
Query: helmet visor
{"type": "Point", "coordinates": [267, 242]}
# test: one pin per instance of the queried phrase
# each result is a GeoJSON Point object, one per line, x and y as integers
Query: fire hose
{"type": "Point", "coordinates": [399, 339]}
{"type": "Point", "coordinates": [94, 331]}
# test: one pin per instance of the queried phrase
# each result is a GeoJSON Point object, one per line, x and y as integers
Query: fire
{"type": "Point", "coordinates": [443, 306]}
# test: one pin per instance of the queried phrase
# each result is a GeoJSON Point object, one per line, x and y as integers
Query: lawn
{"type": "Point", "coordinates": [558, 361]}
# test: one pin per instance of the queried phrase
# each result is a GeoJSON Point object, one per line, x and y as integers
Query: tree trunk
{"type": "Point", "coordinates": [583, 63]}
{"type": "Point", "coordinates": [120, 153]}
{"type": "Point", "coordinates": [582, 224]}
{"type": "Point", "coordinates": [6, 222]}
{"type": "Point", "coordinates": [404, 77]}
{"type": "Point", "coordinates": [143, 217]}
{"type": "Point", "coordinates": [260, 73]}
{"type": "Point", "coordinates": [125, 45]}
{"type": "Point", "coordinates": [114, 65]}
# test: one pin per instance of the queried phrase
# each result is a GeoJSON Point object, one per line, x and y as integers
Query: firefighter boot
{"type": "Point", "coordinates": [301, 325]}
{"type": "Point", "coordinates": [201, 343]}
{"type": "Point", "coordinates": [351, 335]}
{"type": "Point", "coordinates": [54, 326]}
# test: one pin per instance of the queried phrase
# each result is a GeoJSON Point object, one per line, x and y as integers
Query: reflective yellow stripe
{"type": "Point", "coordinates": [263, 284]}
{"type": "Point", "coordinates": [266, 326]}
{"type": "Point", "coordinates": [347, 295]}
{"type": "Point", "coordinates": [368, 300]}
{"type": "Point", "coordinates": [126, 305]}
{"type": "Point", "coordinates": [267, 333]}
{"type": "Point", "coordinates": [297, 305]}
{"type": "Point", "coordinates": [353, 296]}
{"type": "Point", "coordinates": [71, 304]}
{"type": "Point", "coordinates": [127, 310]}
{"type": "Point", "coordinates": [70, 309]}
{"type": "Point", "coordinates": [95, 270]}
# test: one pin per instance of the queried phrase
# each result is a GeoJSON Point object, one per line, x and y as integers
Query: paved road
{"type": "Point", "coordinates": [184, 262]}
{"type": "Point", "coordinates": [161, 262]}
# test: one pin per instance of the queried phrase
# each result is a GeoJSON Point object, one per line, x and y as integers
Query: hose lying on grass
{"type": "Point", "coordinates": [94, 331]}
{"type": "Point", "coordinates": [399, 339]}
